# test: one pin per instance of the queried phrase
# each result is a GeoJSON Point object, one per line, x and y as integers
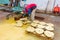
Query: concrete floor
{"type": "Point", "coordinates": [48, 18]}
{"type": "Point", "coordinates": [3, 15]}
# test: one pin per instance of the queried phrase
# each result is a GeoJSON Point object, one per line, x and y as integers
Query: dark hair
{"type": "Point", "coordinates": [33, 7]}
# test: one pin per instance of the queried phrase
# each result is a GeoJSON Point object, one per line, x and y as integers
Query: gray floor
{"type": "Point", "coordinates": [3, 15]}
{"type": "Point", "coordinates": [48, 18]}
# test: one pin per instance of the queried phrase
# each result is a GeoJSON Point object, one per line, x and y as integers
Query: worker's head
{"type": "Point", "coordinates": [33, 7]}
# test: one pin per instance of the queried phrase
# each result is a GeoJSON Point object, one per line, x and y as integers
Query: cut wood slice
{"type": "Point", "coordinates": [42, 23]}
{"type": "Point", "coordinates": [40, 26]}
{"type": "Point", "coordinates": [28, 21]}
{"type": "Point", "coordinates": [30, 29]}
{"type": "Point", "coordinates": [49, 34]}
{"type": "Point", "coordinates": [39, 31]}
{"type": "Point", "coordinates": [23, 19]}
{"type": "Point", "coordinates": [50, 24]}
{"type": "Point", "coordinates": [43, 35]}
{"type": "Point", "coordinates": [50, 28]}
{"type": "Point", "coordinates": [19, 24]}
{"type": "Point", "coordinates": [36, 21]}
{"type": "Point", "coordinates": [19, 21]}
{"type": "Point", "coordinates": [34, 24]}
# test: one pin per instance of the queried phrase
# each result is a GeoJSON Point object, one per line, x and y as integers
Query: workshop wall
{"type": "Point", "coordinates": [41, 4]}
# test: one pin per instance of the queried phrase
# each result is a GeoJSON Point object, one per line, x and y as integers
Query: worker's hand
{"type": "Point", "coordinates": [22, 12]}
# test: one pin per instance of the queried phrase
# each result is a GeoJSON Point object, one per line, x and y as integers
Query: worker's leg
{"type": "Point", "coordinates": [33, 15]}
{"type": "Point", "coordinates": [11, 2]}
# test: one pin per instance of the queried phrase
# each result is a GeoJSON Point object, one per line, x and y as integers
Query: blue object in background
{"type": "Point", "coordinates": [17, 8]}
{"type": "Point", "coordinates": [23, 0]}
{"type": "Point", "coordinates": [4, 1]}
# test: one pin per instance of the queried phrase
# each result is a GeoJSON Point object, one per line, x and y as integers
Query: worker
{"type": "Point", "coordinates": [30, 10]}
{"type": "Point", "coordinates": [59, 10]}
{"type": "Point", "coordinates": [56, 10]}
{"type": "Point", "coordinates": [11, 2]}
